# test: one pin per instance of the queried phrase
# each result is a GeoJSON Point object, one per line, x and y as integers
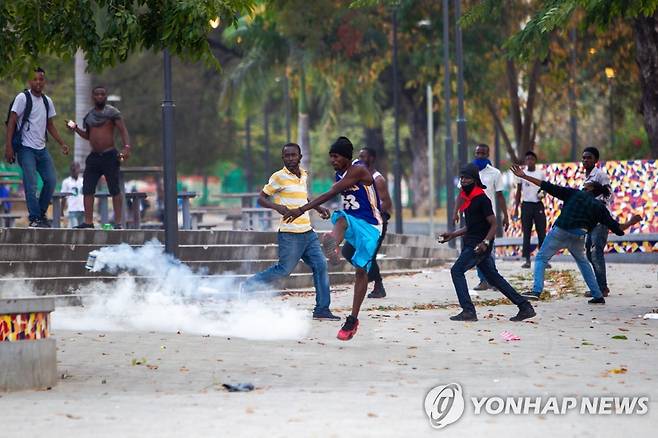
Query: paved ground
{"type": "Point", "coordinates": [374, 385]}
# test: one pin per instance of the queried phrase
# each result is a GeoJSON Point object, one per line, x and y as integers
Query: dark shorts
{"type": "Point", "coordinates": [104, 164]}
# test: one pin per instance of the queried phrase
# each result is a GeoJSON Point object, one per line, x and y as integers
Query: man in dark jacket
{"type": "Point", "coordinates": [478, 237]}
{"type": "Point", "coordinates": [580, 213]}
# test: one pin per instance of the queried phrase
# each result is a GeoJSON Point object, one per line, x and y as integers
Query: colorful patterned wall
{"type": "Point", "coordinates": [24, 326]}
{"type": "Point", "coordinates": [635, 191]}
{"type": "Point", "coordinates": [634, 185]}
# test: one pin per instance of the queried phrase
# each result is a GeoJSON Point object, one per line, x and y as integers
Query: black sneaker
{"type": "Point", "coordinates": [35, 223]}
{"type": "Point", "coordinates": [84, 226]}
{"type": "Point", "coordinates": [605, 293]}
{"type": "Point", "coordinates": [464, 316]}
{"type": "Point", "coordinates": [524, 313]}
{"type": "Point", "coordinates": [599, 300]}
{"type": "Point", "coordinates": [325, 315]}
{"type": "Point", "coordinates": [45, 222]}
{"type": "Point", "coordinates": [526, 265]}
{"type": "Point", "coordinates": [117, 226]}
{"type": "Point", "coordinates": [378, 291]}
{"type": "Point", "coordinates": [532, 296]}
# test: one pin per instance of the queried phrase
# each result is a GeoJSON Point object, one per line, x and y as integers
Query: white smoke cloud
{"type": "Point", "coordinates": [168, 296]}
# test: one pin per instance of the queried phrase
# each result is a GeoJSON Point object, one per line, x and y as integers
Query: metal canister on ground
{"type": "Point", "coordinates": [91, 260]}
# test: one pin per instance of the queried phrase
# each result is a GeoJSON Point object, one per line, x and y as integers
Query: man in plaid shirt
{"type": "Point", "coordinates": [580, 213]}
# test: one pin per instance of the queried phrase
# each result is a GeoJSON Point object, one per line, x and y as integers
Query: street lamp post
{"type": "Point", "coordinates": [286, 97]}
{"type": "Point", "coordinates": [573, 116]}
{"type": "Point", "coordinates": [396, 110]}
{"type": "Point", "coordinates": [169, 161]}
{"type": "Point", "coordinates": [461, 118]}
{"type": "Point", "coordinates": [610, 74]}
{"type": "Point", "coordinates": [430, 154]}
{"type": "Point", "coordinates": [450, 188]}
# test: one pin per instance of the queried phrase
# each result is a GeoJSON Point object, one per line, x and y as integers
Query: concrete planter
{"type": "Point", "coordinates": [28, 357]}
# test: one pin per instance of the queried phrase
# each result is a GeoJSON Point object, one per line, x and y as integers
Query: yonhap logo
{"type": "Point", "coordinates": [444, 405]}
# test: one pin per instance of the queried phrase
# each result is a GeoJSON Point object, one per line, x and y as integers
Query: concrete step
{"type": "Point", "coordinates": [71, 285]}
{"type": "Point", "coordinates": [79, 252]}
{"type": "Point", "coordinates": [138, 237]}
{"type": "Point", "coordinates": [76, 268]}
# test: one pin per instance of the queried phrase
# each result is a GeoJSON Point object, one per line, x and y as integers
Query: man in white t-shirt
{"type": "Point", "coordinates": [597, 238]}
{"type": "Point", "coordinates": [26, 142]}
{"type": "Point", "coordinates": [529, 198]}
{"type": "Point", "coordinates": [73, 204]}
{"type": "Point", "coordinates": [493, 179]}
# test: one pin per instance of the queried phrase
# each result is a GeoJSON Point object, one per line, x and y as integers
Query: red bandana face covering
{"type": "Point", "coordinates": [477, 191]}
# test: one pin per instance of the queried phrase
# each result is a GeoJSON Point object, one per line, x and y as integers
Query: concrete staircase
{"type": "Point", "coordinates": [52, 261]}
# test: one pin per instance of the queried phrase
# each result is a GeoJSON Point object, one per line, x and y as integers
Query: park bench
{"type": "Point", "coordinates": [259, 219]}
{"type": "Point", "coordinates": [132, 217]}
{"type": "Point", "coordinates": [103, 209]}
{"type": "Point", "coordinates": [57, 207]}
{"type": "Point", "coordinates": [186, 197]}
{"type": "Point", "coordinates": [9, 181]}
{"type": "Point", "coordinates": [8, 219]}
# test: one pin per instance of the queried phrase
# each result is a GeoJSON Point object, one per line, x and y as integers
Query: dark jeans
{"type": "Point", "coordinates": [469, 259]}
{"type": "Point", "coordinates": [532, 213]}
{"type": "Point", "coordinates": [34, 161]}
{"type": "Point", "coordinates": [374, 274]}
{"type": "Point", "coordinates": [292, 248]}
{"type": "Point", "coordinates": [595, 244]}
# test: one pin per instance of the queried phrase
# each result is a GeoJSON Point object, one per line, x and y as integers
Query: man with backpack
{"type": "Point", "coordinates": [28, 122]}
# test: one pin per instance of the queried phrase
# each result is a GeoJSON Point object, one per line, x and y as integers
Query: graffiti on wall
{"type": "Point", "coordinates": [635, 191]}
{"type": "Point", "coordinates": [24, 326]}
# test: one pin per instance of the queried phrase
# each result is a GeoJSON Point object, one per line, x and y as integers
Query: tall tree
{"type": "Point", "coordinates": [81, 146]}
{"type": "Point", "coordinates": [552, 17]}
{"type": "Point", "coordinates": [31, 29]}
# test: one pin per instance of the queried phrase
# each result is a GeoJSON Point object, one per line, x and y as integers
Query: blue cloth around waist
{"type": "Point", "coordinates": [364, 237]}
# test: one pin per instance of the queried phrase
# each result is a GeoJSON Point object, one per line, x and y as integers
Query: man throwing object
{"type": "Point", "coordinates": [479, 235]}
{"type": "Point", "coordinates": [359, 223]}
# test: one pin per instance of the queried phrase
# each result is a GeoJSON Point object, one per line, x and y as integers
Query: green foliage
{"type": "Point", "coordinates": [108, 31]}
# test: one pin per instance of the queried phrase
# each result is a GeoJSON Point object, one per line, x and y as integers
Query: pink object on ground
{"type": "Point", "coordinates": [509, 336]}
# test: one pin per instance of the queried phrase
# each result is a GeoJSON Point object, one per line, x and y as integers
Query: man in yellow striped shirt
{"type": "Point", "coordinates": [296, 239]}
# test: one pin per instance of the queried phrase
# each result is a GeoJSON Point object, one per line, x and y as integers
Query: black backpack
{"type": "Point", "coordinates": [17, 139]}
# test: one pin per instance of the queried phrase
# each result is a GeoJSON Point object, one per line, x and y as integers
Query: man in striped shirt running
{"type": "Point", "coordinates": [296, 239]}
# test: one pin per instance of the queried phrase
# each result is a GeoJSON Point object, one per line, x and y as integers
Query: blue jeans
{"type": "Point", "coordinates": [34, 161]}
{"type": "Point", "coordinates": [556, 240]}
{"type": "Point", "coordinates": [467, 260]}
{"type": "Point", "coordinates": [292, 248]}
{"type": "Point", "coordinates": [595, 244]}
{"type": "Point", "coordinates": [479, 271]}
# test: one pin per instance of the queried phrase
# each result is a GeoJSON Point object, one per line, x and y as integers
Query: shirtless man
{"type": "Point", "coordinates": [104, 159]}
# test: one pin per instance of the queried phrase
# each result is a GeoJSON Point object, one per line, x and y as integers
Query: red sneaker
{"type": "Point", "coordinates": [349, 329]}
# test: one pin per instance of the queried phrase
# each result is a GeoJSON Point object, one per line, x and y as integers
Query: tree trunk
{"type": "Point", "coordinates": [528, 112]}
{"type": "Point", "coordinates": [522, 121]}
{"type": "Point", "coordinates": [248, 159]}
{"type": "Point", "coordinates": [81, 146]}
{"type": "Point", "coordinates": [303, 129]}
{"type": "Point", "coordinates": [419, 177]}
{"type": "Point", "coordinates": [646, 49]}
{"type": "Point", "coordinates": [267, 156]}
{"type": "Point", "coordinates": [374, 139]}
